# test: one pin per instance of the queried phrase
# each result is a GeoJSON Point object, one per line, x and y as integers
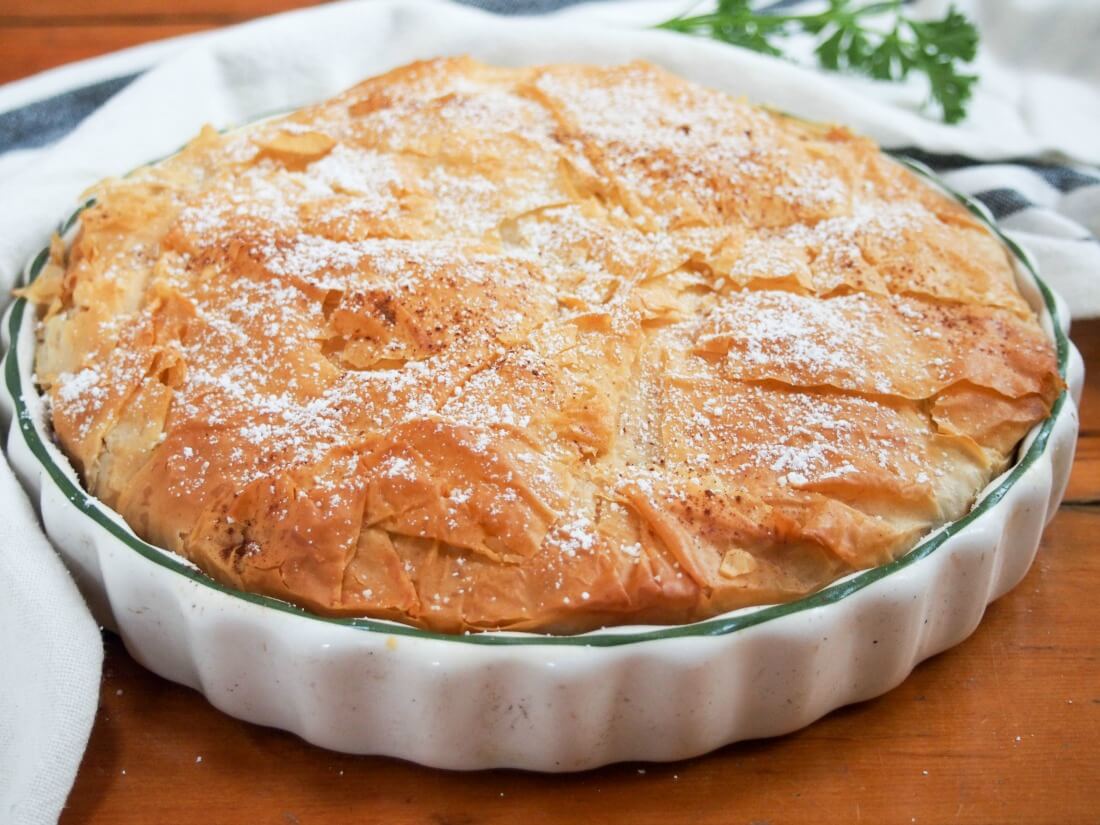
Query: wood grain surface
{"type": "Point", "coordinates": [39, 34]}
{"type": "Point", "coordinates": [1003, 728]}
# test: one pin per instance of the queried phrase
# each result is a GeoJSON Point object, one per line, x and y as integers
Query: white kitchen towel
{"type": "Point", "coordinates": [51, 654]}
{"type": "Point", "coordinates": [1025, 151]}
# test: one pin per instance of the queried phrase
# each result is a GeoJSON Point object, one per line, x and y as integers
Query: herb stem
{"type": "Point", "coordinates": [934, 48]}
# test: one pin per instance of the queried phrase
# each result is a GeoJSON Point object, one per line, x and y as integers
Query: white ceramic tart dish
{"type": "Point", "coordinates": [560, 702]}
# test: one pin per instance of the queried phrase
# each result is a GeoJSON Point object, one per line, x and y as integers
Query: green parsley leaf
{"type": "Point", "coordinates": [853, 38]}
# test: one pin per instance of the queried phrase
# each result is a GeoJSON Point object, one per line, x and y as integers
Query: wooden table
{"type": "Point", "coordinates": [1003, 728]}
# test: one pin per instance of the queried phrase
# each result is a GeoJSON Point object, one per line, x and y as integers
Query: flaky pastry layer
{"type": "Point", "coordinates": [541, 349]}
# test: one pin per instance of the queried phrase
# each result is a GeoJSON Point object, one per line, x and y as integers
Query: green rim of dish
{"type": "Point", "coordinates": [746, 618]}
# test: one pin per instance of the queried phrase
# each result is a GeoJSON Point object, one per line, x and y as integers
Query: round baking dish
{"type": "Point", "coordinates": [550, 703]}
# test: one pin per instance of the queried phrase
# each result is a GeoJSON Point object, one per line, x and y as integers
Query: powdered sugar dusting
{"type": "Point", "coordinates": [548, 323]}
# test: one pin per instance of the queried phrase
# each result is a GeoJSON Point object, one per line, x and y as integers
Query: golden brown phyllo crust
{"type": "Point", "coordinates": [540, 349]}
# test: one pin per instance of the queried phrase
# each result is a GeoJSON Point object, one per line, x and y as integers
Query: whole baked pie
{"type": "Point", "coordinates": [543, 349]}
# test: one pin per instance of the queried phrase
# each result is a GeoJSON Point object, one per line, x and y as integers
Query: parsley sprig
{"type": "Point", "coordinates": [874, 39]}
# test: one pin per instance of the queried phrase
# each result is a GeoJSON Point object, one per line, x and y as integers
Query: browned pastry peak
{"type": "Point", "coordinates": [544, 348]}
